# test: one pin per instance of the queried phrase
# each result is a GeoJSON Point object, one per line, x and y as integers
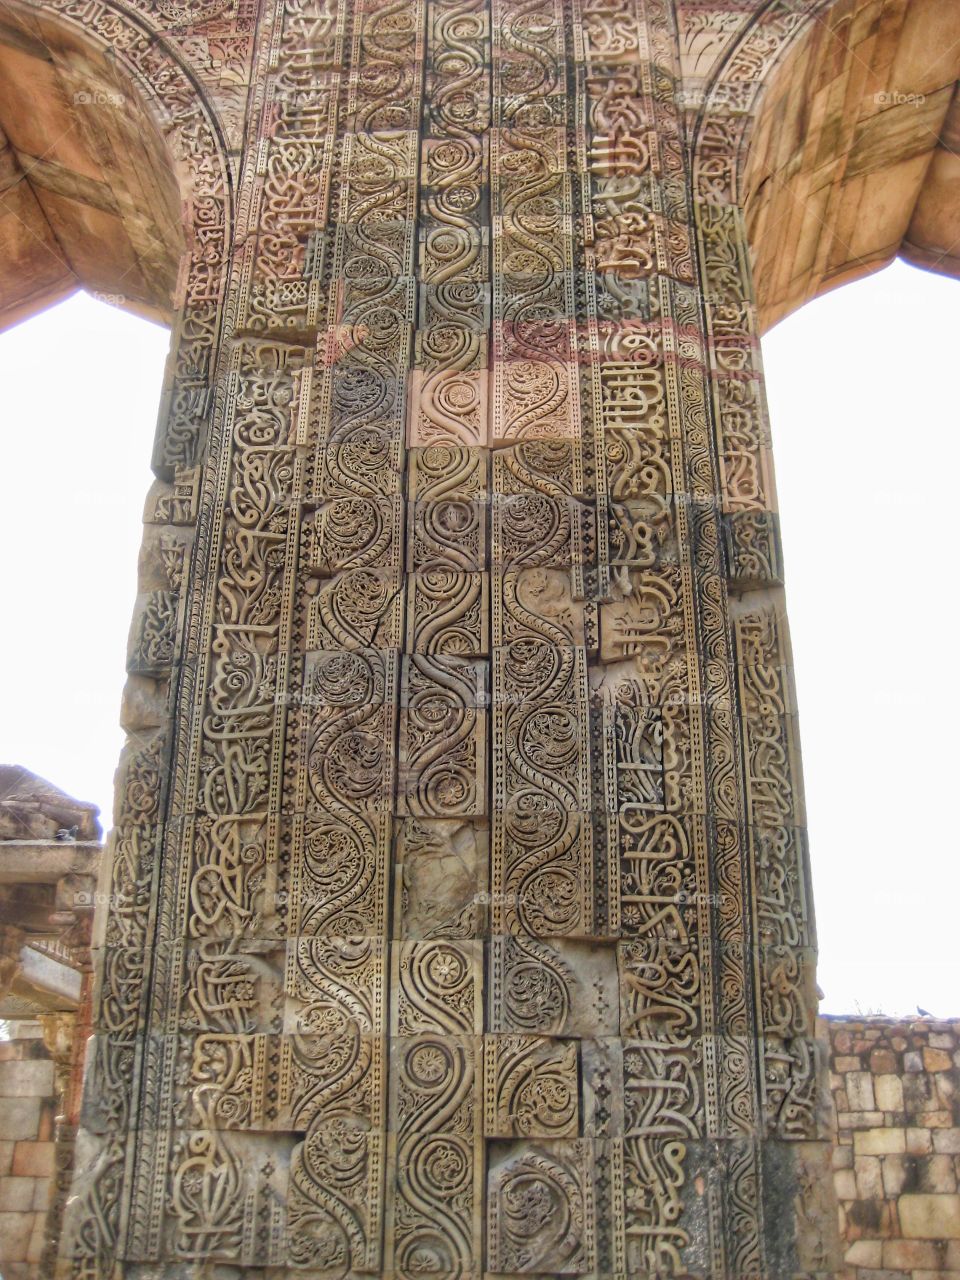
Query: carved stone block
{"type": "Point", "coordinates": [438, 988]}
{"type": "Point", "coordinates": [447, 471]}
{"type": "Point", "coordinates": [152, 650]}
{"type": "Point", "coordinates": [647, 621]}
{"type": "Point", "coordinates": [538, 604]}
{"type": "Point", "coordinates": [443, 727]}
{"type": "Point", "coordinates": [438, 1164]}
{"type": "Point", "coordinates": [448, 613]}
{"type": "Point", "coordinates": [336, 978]}
{"type": "Point", "coordinates": [548, 465]}
{"type": "Point", "coordinates": [450, 405]}
{"type": "Point", "coordinates": [539, 530]}
{"type": "Point", "coordinates": [552, 987]}
{"type": "Point", "coordinates": [752, 541]}
{"type": "Point", "coordinates": [357, 608]}
{"type": "Point", "coordinates": [541, 870]}
{"type": "Point", "coordinates": [441, 879]}
{"type": "Point", "coordinates": [531, 1087]}
{"type": "Point", "coordinates": [447, 533]}
{"type": "Point", "coordinates": [358, 533]}
{"type": "Point", "coordinates": [660, 981]}
{"type": "Point", "coordinates": [542, 1215]}
{"type": "Point", "coordinates": [370, 464]}
{"type": "Point", "coordinates": [336, 869]}
{"type": "Point", "coordinates": [347, 725]}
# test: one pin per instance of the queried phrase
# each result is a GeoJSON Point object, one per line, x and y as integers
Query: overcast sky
{"type": "Point", "coordinates": [863, 397]}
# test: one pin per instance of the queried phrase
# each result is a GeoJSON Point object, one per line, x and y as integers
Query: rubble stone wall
{"type": "Point", "coordinates": [27, 1112]}
{"type": "Point", "coordinates": [894, 1086]}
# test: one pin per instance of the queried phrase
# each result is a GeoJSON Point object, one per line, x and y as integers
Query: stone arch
{"type": "Point", "coordinates": [845, 153]}
{"type": "Point", "coordinates": [145, 225]}
{"type": "Point", "coordinates": [91, 198]}
{"type": "Point", "coordinates": [151, 224]}
{"type": "Point", "coordinates": [748, 182]}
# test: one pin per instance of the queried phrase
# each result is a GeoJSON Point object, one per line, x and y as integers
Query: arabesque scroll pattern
{"type": "Point", "coordinates": [458, 921]}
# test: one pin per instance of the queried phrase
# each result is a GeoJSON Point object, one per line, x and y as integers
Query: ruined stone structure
{"type": "Point", "coordinates": [895, 1088]}
{"type": "Point", "coordinates": [457, 913]}
{"type": "Point", "coordinates": [49, 860]}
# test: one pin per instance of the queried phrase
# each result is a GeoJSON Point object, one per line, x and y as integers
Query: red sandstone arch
{"type": "Point", "coordinates": [133, 200]}
{"type": "Point", "coordinates": [113, 165]}
{"type": "Point", "coordinates": [853, 154]}
{"type": "Point", "coordinates": [89, 197]}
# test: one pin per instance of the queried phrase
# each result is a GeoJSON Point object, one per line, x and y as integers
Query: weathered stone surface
{"type": "Point", "coordinates": [897, 1193]}
{"type": "Point", "coordinates": [930, 1217]}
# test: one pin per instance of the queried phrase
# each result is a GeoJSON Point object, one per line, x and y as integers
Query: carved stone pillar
{"type": "Point", "coordinates": [456, 915]}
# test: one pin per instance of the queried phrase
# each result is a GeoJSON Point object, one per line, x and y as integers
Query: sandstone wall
{"type": "Point", "coordinates": [897, 1159]}
{"type": "Point", "coordinates": [27, 1112]}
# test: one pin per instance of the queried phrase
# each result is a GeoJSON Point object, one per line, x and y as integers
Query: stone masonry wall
{"type": "Point", "coordinates": [894, 1089]}
{"type": "Point", "coordinates": [27, 1112]}
{"type": "Point", "coordinates": [897, 1157]}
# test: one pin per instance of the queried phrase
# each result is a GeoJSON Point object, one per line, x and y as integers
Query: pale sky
{"type": "Point", "coordinates": [862, 389]}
